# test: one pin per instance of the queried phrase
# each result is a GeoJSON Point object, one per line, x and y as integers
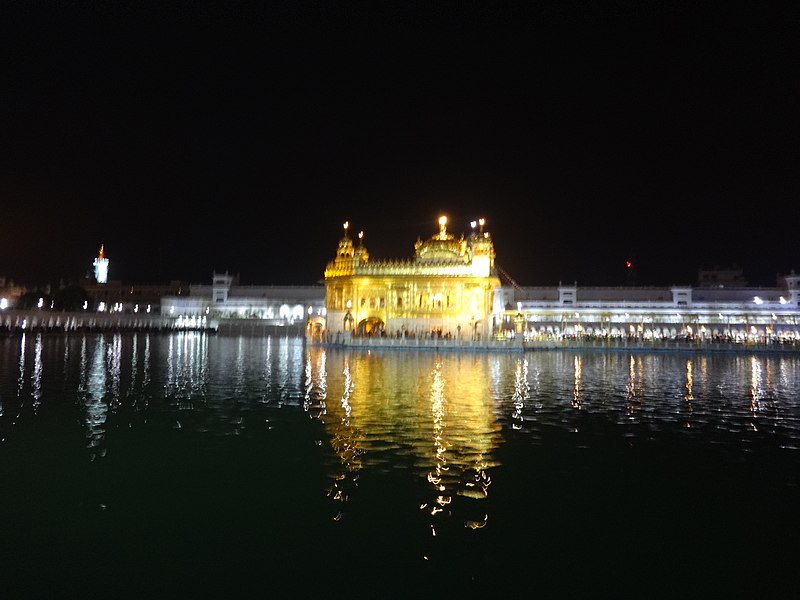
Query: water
{"type": "Point", "coordinates": [196, 465]}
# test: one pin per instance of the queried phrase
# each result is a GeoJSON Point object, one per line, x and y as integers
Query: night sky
{"type": "Point", "coordinates": [193, 137]}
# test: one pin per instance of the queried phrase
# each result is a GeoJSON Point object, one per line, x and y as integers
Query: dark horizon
{"type": "Point", "coordinates": [193, 138]}
{"type": "Point", "coordinates": [623, 277]}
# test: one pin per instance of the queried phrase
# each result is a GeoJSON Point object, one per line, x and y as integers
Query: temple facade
{"type": "Point", "coordinates": [450, 293]}
{"type": "Point", "coordinates": [445, 291]}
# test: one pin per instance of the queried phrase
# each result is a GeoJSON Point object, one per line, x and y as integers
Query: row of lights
{"type": "Point", "coordinates": [101, 307]}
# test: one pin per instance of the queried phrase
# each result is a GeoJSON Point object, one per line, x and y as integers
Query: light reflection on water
{"type": "Point", "coordinates": [93, 395]}
{"type": "Point", "coordinates": [439, 411]}
{"type": "Point", "coordinates": [453, 456]}
{"type": "Point", "coordinates": [388, 412]}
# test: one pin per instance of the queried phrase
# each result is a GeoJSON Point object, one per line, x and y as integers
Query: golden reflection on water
{"type": "Point", "coordinates": [437, 411]}
{"type": "Point", "coordinates": [316, 384]}
{"type": "Point", "coordinates": [689, 381]}
{"type": "Point", "coordinates": [346, 442]}
{"type": "Point", "coordinates": [689, 395]}
{"type": "Point", "coordinates": [577, 388]}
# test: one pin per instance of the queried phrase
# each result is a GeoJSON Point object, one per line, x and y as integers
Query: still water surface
{"type": "Point", "coordinates": [189, 465]}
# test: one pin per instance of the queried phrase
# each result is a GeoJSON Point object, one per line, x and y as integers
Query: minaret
{"type": "Point", "coordinates": [101, 267]}
{"type": "Point", "coordinates": [360, 254]}
{"type": "Point", "coordinates": [482, 250]}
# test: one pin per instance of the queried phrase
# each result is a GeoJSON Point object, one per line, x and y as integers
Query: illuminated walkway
{"type": "Point", "coordinates": [519, 344]}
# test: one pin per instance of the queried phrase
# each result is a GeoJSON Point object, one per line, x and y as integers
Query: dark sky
{"type": "Point", "coordinates": [193, 137]}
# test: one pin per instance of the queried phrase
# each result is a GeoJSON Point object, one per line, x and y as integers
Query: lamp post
{"type": "Point", "coordinates": [348, 316]}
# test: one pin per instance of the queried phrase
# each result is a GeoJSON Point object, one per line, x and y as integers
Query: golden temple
{"type": "Point", "coordinates": [445, 291]}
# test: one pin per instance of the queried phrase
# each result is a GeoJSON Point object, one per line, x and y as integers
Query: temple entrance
{"type": "Point", "coordinates": [371, 326]}
{"type": "Point", "coordinates": [348, 321]}
{"type": "Point", "coordinates": [315, 329]}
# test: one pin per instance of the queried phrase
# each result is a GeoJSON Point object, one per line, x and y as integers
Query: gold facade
{"type": "Point", "coordinates": [446, 290]}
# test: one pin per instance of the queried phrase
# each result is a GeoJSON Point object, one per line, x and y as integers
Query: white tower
{"type": "Point", "coordinates": [101, 267]}
{"type": "Point", "coordinates": [221, 286]}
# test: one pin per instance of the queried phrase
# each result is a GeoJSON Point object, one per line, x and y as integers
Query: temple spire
{"type": "Point", "coordinates": [101, 266]}
{"type": "Point", "coordinates": [442, 227]}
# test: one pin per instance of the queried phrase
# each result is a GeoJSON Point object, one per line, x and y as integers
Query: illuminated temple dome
{"type": "Point", "coordinates": [442, 247]}
{"type": "Point", "coordinates": [445, 290]}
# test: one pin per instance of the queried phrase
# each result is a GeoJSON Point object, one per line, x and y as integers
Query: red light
{"type": "Point", "coordinates": [628, 264]}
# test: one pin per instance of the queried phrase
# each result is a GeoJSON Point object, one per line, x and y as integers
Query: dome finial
{"type": "Point", "coordinates": [443, 227]}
